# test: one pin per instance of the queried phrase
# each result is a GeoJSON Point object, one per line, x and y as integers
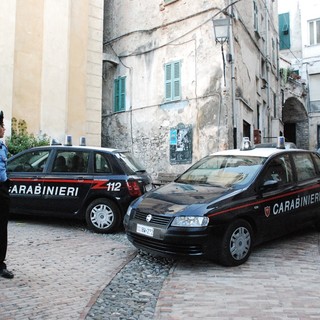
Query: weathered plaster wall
{"type": "Point", "coordinates": [140, 37]}
{"type": "Point", "coordinates": [146, 125]}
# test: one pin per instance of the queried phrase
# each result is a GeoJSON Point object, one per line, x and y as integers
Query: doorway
{"type": "Point", "coordinates": [290, 132]}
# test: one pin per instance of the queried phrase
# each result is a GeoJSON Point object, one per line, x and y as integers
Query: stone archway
{"type": "Point", "coordinates": [296, 123]}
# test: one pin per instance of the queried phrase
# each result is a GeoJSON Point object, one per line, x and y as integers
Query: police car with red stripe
{"type": "Point", "coordinates": [94, 184]}
{"type": "Point", "coordinates": [228, 202]}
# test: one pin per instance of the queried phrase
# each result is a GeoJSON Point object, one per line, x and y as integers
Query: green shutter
{"type": "Point", "coordinates": [176, 81]}
{"type": "Point", "coordinates": [116, 95]}
{"type": "Point", "coordinates": [284, 31]}
{"type": "Point", "coordinates": [168, 91]}
{"type": "Point", "coordinates": [122, 91]}
{"type": "Point", "coordinates": [120, 94]}
{"type": "Point", "coordinates": [172, 81]}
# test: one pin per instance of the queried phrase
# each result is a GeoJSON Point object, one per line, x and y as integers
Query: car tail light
{"type": "Point", "coordinates": [134, 189]}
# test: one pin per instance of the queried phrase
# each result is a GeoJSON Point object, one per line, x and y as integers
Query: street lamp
{"type": "Point", "coordinates": [221, 32]}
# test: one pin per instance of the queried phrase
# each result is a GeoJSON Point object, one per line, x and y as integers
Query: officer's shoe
{"type": "Point", "coordinates": [4, 273]}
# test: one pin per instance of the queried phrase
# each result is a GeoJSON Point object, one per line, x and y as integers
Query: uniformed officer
{"type": "Point", "coordinates": [4, 204]}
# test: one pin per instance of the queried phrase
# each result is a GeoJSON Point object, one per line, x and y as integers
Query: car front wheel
{"type": "Point", "coordinates": [103, 216]}
{"type": "Point", "coordinates": [236, 244]}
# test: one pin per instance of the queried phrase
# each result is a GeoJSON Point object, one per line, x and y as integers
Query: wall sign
{"type": "Point", "coordinates": [181, 144]}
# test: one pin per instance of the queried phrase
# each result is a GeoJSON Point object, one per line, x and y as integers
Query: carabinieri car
{"type": "Point", "coordinates": [95, 184]}
{"type": "Point", "coordinates": [228, 202]}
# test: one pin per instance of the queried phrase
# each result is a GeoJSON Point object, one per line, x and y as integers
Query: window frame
{"type": "Point", "coordinates": [172, 82]}
{"type": "Point", "coordinates": [315, 32]}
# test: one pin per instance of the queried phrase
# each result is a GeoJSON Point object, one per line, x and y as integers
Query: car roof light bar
{"type": "Point", "coordinates": [246, 144]}
{"type": "Point", "coordinates": [281, 143]}
{"type": "Point", "coordinates": [82, 141]}
{"type": "Point", "coordinates": [68, 141]}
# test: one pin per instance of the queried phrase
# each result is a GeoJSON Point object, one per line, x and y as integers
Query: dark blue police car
{"type": "Point", "coordinates": [228, 202]}
{"type": "Point", "coordinates": [95, 184]}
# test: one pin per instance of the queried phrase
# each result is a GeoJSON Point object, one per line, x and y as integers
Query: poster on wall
{"type": "Point", "coordinates": [181, 144]}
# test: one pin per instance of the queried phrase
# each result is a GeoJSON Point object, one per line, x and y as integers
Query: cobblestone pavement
{"type": "Point", "coordinates": [63, 272]}
{"type": "Point", "coordinates": [281, 280]}
{"type": "Point", "coordinates": [59, 269]}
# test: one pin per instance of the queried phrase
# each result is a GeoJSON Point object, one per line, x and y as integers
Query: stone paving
{"type": "Point", "coordinates": [281, 280]}
{"type": "Point", "coordinates": [60, 270]}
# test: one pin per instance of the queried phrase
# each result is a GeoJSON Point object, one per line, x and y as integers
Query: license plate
{"type": "Point", "coordinates": [147, 231]}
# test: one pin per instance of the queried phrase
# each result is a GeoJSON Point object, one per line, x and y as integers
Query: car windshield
{"type": "Point", "coordinates": [223, 171]}
{"type": "Point", "coordinates": [130, 163]}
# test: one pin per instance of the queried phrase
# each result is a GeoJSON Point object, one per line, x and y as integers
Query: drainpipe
{"type": "Point", "coordinates": [268, 66]}
{"type": "Point", "coordinates": [233, 80]}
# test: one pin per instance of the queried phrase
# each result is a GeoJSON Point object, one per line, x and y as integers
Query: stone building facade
{"type": "Point", "coordinates": [51, 66]}
{"type": "Point", "coordinates": [172, 94]}
{"type": "Point", "coordinates": [299, 34]}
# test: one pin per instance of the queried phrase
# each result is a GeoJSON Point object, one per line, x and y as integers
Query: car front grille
{"type": "Point", "coordinates": [156, 219]}
{"type": "Point", "coordinates": [158, 246]}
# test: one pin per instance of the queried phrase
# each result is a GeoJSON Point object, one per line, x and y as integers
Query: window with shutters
{"type": "Point", "coordinates": [172, 81]}
{"type": "Point", "coordinates": [120, 94]}
{"type": "Point", "coordinates": [284, 31]}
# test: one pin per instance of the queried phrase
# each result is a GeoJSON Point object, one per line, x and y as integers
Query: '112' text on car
{"type": "Point", "coordinates": [95, 184]}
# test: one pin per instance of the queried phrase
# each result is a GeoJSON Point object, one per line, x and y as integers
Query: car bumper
{"type": "Point", "coordinates": [177, 242]}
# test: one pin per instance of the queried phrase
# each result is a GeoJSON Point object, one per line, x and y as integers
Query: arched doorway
{"type": "Point", "coordinates": [296, 124]}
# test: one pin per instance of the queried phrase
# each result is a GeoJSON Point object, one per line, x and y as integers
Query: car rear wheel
{"type": "Point", "coordinates": [236, 244]}
{"type": "Point", "coordinates": [103, 216]}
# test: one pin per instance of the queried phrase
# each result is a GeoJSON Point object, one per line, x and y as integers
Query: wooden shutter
{"type": "Point", "coordinates": [284, 31]}
{"type": "Point", "coordinates": [172, 81]}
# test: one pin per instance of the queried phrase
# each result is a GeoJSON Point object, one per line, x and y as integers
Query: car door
{"type": "Point", "coordinates": [68, 181]}
{"type": "Point", "coordinates": [307, 195]}
{"type": "Point", "coordinates": [26, 172]}
{"type": "Point", "coordinates": [276, 192]}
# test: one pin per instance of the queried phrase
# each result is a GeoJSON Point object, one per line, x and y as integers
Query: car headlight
{"type": "Point", "coordinates": [129, 211]}
{"type": "Point", "coordinates": [189, 221]}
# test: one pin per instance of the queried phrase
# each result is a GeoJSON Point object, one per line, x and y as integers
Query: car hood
{"type": "Point", "coordinates": [177, 197]}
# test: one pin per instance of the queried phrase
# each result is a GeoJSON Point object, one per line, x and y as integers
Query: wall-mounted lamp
{"type": "Point", "coordinates": [221, 29]}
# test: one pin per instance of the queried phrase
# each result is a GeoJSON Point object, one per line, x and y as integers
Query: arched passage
{"type": "Point", "coordinates": [296, 124]}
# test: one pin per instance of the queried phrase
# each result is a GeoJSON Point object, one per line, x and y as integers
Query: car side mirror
{"type": "Point", "coordinates": [268, 185]}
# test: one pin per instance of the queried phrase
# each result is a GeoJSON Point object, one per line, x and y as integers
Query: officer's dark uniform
{"type": "Point", "coordinates": [4, 206]}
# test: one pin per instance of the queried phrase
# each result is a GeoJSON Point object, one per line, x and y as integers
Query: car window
{"type": "Point", "coordinates": [71, 161]}
{"type": "Point", "coordinates": [280, 170]}
{"type": "Point", "coordinates": [316, 158]}
{"type": "Point", "coordinates": [224, 171]}
{"type": "Point", "coordinates": [304, 166]}
{"type": "Point", "coordinates": [33, 161]}
{"type": "Point", "coordinates": [101, 163]}
{"type": "Point", "coordinates": [130, 164]}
